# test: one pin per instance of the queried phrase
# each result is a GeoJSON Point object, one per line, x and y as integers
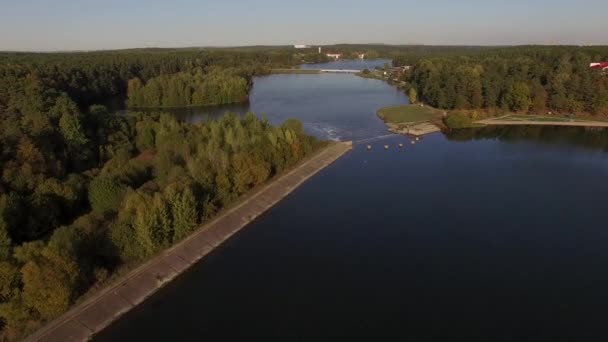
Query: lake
{"type": "Point", "coordinates": [331, 106]}
{"type": "Point", "coordinates": [481, 235]}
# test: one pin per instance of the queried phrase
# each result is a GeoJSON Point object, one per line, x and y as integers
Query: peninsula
{"type": "Point", "coordinates": [412, 119]}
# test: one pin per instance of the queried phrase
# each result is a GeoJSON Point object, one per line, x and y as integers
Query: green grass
{"type": "Point", "coordinates": [407, 113]}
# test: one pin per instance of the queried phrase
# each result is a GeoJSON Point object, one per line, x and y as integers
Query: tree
{"type": "Point", "coordinates": [105, 194]}
{"type": "Point", "coordinates": [134, 93]}
{"type": "Point", "coordinates": [146, 135]}
{"type": "Point", "coordinates": [539, 98]}
{"type": "Point", "coordinates": [184, 213]}
{"type": "Point", "coordinates": [69, 122]}
{"type": "Point", "coordinates": [412, 95]}
{"type": "Point", "coordinates": [457, 120]}
{"type": "Point", "coordinates": [517, 97]}
{"type": "Point", "coordinates": [50, 279]}
{"type": "Point", "coordinates": [5, 241]}
{"type": "Point", "coordinates": [371, 54]}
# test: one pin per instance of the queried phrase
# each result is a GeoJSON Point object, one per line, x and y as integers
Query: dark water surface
{"type": "Point", "coordinates": [495, 235]}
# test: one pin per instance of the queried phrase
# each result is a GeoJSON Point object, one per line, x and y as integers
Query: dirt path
{"type": "Point", "coordinates": [97, 312]}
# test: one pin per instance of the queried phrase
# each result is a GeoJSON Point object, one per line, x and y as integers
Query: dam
{"type": "Point", "coordinates": [97, 312]}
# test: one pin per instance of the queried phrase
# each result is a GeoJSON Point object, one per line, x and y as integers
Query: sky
{"type": "Point", "coordinates": [58, 25]}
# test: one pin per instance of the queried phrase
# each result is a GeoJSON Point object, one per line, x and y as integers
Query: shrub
{"type": "Point", "coordinates": [458, 120]}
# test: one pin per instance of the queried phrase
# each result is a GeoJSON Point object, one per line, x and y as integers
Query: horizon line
{"type": "Point", "coordinates": [291, 45]}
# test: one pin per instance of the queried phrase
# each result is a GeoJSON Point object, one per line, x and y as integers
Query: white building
{"type": "Point", "coordinates": [334, 55]}
{"type": "Point", "coordinates": [301, 46]}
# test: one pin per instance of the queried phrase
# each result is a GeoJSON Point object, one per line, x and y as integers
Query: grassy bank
{"type": "Point", "coordinates": [408, 114]}
{"type": "Point", "coordinates": [411, 119]}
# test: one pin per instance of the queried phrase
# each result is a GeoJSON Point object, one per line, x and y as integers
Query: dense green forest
{"type": "Point", "coordinates": [196, 88]}
{"type": "Point", "coordinates": [92, 78]}
{"type": "Point", "coordinates": [84, 192]}
{"type": "Point", "coordinates": [521, 79]}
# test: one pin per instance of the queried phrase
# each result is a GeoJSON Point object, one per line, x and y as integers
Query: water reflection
{"type": "Point", "coordinates": [588, 137]}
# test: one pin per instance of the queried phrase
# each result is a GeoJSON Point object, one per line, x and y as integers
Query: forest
{"type": "Point", "coordinates": [520, 79]}
{"type": "Point", "coordinates": [196, 88]}
{"type": "Point", "coordinates": [85, 193]}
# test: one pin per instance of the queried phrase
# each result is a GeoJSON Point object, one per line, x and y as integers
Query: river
{"type": "Point", "coordinates": [494, 234]}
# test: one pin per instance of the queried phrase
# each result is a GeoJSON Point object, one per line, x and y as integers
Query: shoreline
{"type": "Point", "coordinates": [91, 316]}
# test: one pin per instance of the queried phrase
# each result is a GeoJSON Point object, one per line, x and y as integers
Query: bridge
{"type": "Point", "coordinates": [313, 71]}
{"type": "Point", "coordinates": [340, 71]}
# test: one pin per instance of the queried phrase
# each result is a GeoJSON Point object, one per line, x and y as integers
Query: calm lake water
{"type": "Point", "coordinates": [484, 235]}
{"type": "Point", "coordinates": [331, 106]}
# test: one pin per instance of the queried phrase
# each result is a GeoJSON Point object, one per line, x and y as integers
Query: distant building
{"type": "Point", "coordinates": [361, 55]}
{"type": "Point", "coordinates": [398, 71]}
{"type": "Point", "coordinates": [599, 66]}
{"type": "Point", "coordinates": [333, 55]}
{"type": "Point", "coordinates": [302, 46]}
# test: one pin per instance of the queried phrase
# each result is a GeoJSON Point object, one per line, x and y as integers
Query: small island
{"type": "Point", "coordinates": [412, 119]}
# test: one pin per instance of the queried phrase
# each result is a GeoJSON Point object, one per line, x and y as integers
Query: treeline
{"type": "Point", "coordinates": [524, 79]}
{"type": "Point", "coordinates": [406, 54]}
{"type": "Point", "coordinates": [84, 191]}
{"type": "Point", "coordinates": [92, 78]}
{"type": "Point", "coordinates": [196, 88]}
{"type": "Point", "coordinates": [412, 55]}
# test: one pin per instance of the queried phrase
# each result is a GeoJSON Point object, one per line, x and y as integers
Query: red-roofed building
{"type": "Point", "coordinates": [599, 66]}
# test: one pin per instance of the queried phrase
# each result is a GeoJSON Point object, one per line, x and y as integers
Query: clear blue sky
{"type": "Point", "coordinates": [106, 24]}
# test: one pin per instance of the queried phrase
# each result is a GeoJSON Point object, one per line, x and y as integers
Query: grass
{"type": "Point", "coordinates": [407, 114]}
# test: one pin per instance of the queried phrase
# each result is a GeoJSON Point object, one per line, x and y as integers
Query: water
{"type": "Point", "coordinates": [483, 235]}
{"type": "Point", "coordinates": [330, 106]}
{"type": "Point", "coordinates": [355, 64]}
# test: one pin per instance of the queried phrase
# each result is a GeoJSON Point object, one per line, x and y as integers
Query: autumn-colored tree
{"type": "Point", "coordinates": [50, 279]}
